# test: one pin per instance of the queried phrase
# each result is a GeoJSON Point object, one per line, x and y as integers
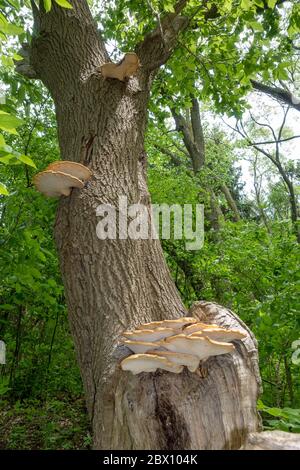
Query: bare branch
{"type": "Point", "coordinates": [264, 124]}
{"type": "Point", "coordinates": [283, 123]}
{"type": "Point", "coordinates": [279, 94]}
{"type": "Point", "coordinates": [279, 141]}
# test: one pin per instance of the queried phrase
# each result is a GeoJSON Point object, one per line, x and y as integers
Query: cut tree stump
{"type": "Point", "coordinates": [183, 411]}
{"type": "Point", "coordinates": [272, 440]}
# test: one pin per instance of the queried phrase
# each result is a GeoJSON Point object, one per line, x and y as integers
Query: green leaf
{"type": "Point", "coordinates": [2, 141]}
{"type": "Point", "coordinates": [9, 123]}
{"type": "Point", "coordinates": [7, 61]}
{"type": "Point", "coordinates": [246, 4]}
{"type": "Point", "coordinates": [17, 57]}
{"type": "Point", "coordinates": [27, 160]}
{"type": "Point", "coordinates": [9, 28]}
{"type": "Point", "coordinates": [282, 72]}
{"type": "Point", "coordinates": [64, 3]}
{"type": "Point", "coordinates": [3, 190]}
{"type": "Point", "coordinates": [10, 159]}
{"type": "Point", "coordinates": [169, 8]}
{"type": "Point", "coordinates": [271, 3]}
{"type": "Point", "coordinates": [47, 5]}
{"type": "Point", "coordinates": [15, 4]}
{"type": "Point", "coordinates": [256, 26]}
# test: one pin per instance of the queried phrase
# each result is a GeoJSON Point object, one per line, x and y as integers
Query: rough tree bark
{"type": "Point", "coordinates": [112, 285]}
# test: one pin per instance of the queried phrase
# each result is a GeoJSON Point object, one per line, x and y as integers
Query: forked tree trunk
{"type": "Point", "coordinates": [112, 285]}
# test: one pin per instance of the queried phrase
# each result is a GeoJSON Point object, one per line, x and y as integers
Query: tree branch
{"type": "Point", "coordinates": [182, 126]}
{"type": "Point", "coordinates": [274, 141]}
{"type": "Point", "coordinates": [198, 131]}
{"type": "Point", "coordinates": [157, 46]}
{"type": "Point", "coordinates": [175, 159]}
{"type": "Point", "coordinates": [277, 93]}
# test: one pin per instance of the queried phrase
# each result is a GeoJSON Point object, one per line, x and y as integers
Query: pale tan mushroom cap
{"type": "Point", "coordinates": [200, 346]}
{"type": "Point", "coordinates": [71, 168]}
{"type": "Point", "coordinates": [176, 323]}
{"type": "Point", "coordinates": [131, 58]}
{"type": "Point", "coordinates": [149, 335]}
{"type": "Point", "coordinates": [131, 64]}
{"type": "Point", "coordinates": [111, 70]}
{"type": "Point", "coordinates": [140, 347]}
{"type": "Point", "coordinates": [183, 359]}
{"type": "Point", "coordinates": [137, 363]}
{"type": "Point", "coordinates": [221, 334]}
{"type": "Point", "coordinates": [56, 183]}
{"type": "Point", "coordinates": [125, 69]}
{"type": "Point", "coordinates": [197, 326]}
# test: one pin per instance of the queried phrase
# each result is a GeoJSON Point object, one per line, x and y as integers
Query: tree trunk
{"type": "Point", "coordinates": [113, 285]}
{"type": "Point", "coordinates": [231, 202]}
{"type": "Point", "coordinates": [216, 215]}
{"type": "Point", "coordinates": [292, 199]}
{"type": "Point", "coordinates": [272, 440]}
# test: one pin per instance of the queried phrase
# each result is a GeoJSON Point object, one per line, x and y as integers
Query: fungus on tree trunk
{"type": "Point", "coordinates": [200, 346]}
{"type": "Point", "coordinates": [77, 170]}
{"type": "Point", "coordinates": [140, 347]}
{"type": "Point", "coordinates": [149, 335]}
{"type": "Point", "coordinates": [56, 183]}
{"type": "Point", "coordinates": [175, 323]}
{"type": "Point", "coordinates": [214, 332]}
{"type": "Point", "coordinates": [183, 359]}
{"type": "Point", "coordinates": [137, 363]}
{"type": "Point", "coordinates": [126, 68]}
{"type": "Point", "coordinates": [60, 177]}
{"type": "Point", "coordinates": [199, 342]}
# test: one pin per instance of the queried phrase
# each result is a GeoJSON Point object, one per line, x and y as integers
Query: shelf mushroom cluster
{"type": "Point", "coordinates": [173, 344]}
{"type": "Point", "coordinates": [60, 177]}
{"type": "Point", "coordinates": [126, 68]}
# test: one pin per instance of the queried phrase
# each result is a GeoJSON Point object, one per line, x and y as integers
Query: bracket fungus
{"type": "Point", "coordinates": [56, 183]}
{"type": "Point", "coordinates": [183, 342]}
{"type": "Point", "coordinates": [175, 324]}
{"type": "Point", "coordinates": [126, 68]}
{"type": "Point", "coordinates": [77, 170]}
{"type": "Point", "coordinates": [213, 332]}
{"type": "Point", "coordinates": [139, 347]}
{"type": "Point", "coordinates": [197, 327]}
{"type": "Point", "coordinates": [183, 359]}
{"type": "Point", "coordinates": [200, 346]}
{"type": "Point", "coordinates": [149, 335]}
{"type": "Point", "coordinates": [221, 334]}
{"type": "Point", "coordinates": [137, 363]}
{"type": "Point", "coordinates": [60, 177]}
